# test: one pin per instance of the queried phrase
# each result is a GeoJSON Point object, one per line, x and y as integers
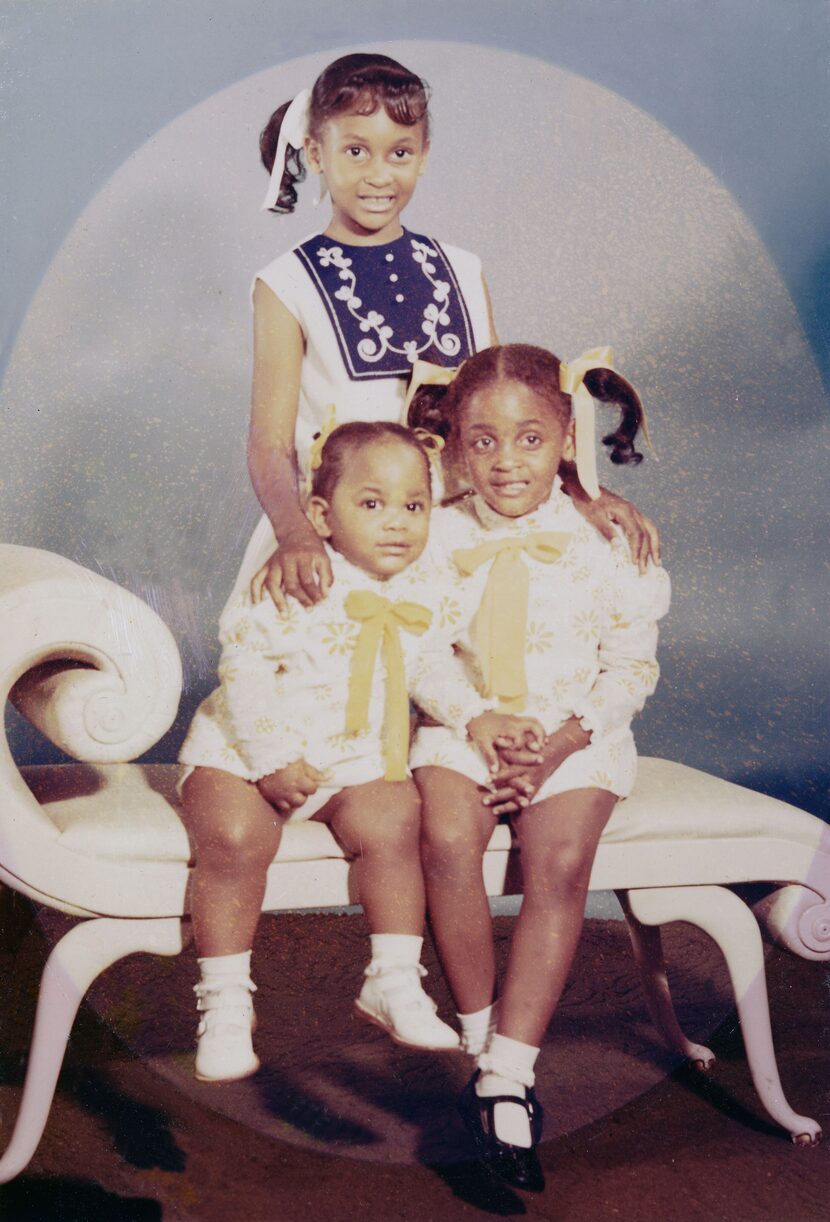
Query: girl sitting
{"type": "Point", "coordinates": [565, 632]}
{"type": "Point", "coordinates": [306, 726]}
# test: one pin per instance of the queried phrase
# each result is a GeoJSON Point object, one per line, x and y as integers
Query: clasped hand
{"type": "Point", "coordinates": [526, 760]}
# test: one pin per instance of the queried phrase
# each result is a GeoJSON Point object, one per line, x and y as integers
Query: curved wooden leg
{"type": "Point", "coordinates": [647, 944]}
{"type": "Point", "coordinates": [80, 956]}
{"type": "Point", "coordinates": [731, 924]}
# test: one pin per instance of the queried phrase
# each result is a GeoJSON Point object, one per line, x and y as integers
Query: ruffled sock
{"type": "Point", "coordinates": [477, 1029]}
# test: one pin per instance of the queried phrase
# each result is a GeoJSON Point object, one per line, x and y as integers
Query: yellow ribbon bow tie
{"type": "Point", "coordinates": [380, 620]}
{"type": "Point", "coordinates": [501, 620]}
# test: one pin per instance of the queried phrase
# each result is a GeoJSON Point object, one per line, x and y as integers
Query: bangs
{"type": "Point", "coordinates": [362, 88]}
{"type": "Point", "coordinates": [404, 104]}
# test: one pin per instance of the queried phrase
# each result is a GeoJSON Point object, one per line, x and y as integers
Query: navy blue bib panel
{"type": "Point", "coordinates": [390, 305]}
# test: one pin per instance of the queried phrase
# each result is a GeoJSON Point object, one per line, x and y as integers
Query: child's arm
{"type": "Point", "coordinates": [254, 670]}
{"type": "Point", "coordinates": [301, 567]}
{"type": "Point", "coordinates": [439, 685]}
{"type": "Point", "coordinates": [494, 339]}
{"type": "Point", "coordinates": [627, 647]}
{"type": "Point", "coordinates": [628, 675]}
{"type": "Point", "coordinates": [640, 532]}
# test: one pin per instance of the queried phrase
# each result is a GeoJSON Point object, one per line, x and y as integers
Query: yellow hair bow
{"type": "Point", "coordinates": [315, 450]}
{"type": "Point", "coordinates": [424, 373]}
{"type": "Point", "coordinates": [571, 382]}
{"type": "Point", "coordinates": [380, 620]}
{"type": "Point", "coordinates": [501, 621]}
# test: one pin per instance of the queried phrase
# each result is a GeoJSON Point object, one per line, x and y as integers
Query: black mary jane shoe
{"type": "Point", "coordinates": [516, 1165]}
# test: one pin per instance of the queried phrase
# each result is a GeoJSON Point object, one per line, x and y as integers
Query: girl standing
{"type": "Point", "coordinates": [341, 319]}
{"type": "Point", "coordinates": [308, 724]}
{"type": "Point", "coordinates": [565, 632]}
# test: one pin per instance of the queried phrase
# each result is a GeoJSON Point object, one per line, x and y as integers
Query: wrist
{"type": "Point", "coordinates": [299, 532]}
{"type": "Point", "coordinates": [570, 737]}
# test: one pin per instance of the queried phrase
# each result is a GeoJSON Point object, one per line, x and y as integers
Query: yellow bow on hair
{"type": "Point", "coordinates": [380, 620]}
{"type": "Point", "coordinates": [571, 382]}
{"type": "Point", "coordinates": [315, 452]}
{"type": "Point", "coordinates": [501, 620]}
{"type": "Point", "coordinates": [424, 373]}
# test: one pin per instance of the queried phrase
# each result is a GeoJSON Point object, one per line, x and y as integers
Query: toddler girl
{"type": "Point", "coordinates": [309, 723]}
{"type": "Point", "coordinates": [565, 631]}
{"type": "Point", "coordinates": [342, 318]}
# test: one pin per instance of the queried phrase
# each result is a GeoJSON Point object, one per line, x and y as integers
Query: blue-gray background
{"type": "Point", "coordinates": [742, 83]}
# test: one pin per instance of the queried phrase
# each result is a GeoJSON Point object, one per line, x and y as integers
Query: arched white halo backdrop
{"type": "Point", "coordinates": [126, 397]}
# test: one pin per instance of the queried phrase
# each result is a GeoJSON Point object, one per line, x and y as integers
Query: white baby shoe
{"type": "Point", "coordinates": [225, 1052]}
{"type": "Point", "coordinates": [392, 998]}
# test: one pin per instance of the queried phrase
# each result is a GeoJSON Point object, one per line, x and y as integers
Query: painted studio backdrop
{"type": "Point", "coordinates": [650, 176]}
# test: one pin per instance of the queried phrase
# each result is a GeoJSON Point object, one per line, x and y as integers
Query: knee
{"type": "Point", "coordinates": [396, 832]}
{"type": "Point", "coordinates": [236, 842]}
{"type": "Point", "coordinates": [450, 846]}
{"type": "Point", "coordinates": [563, 870]}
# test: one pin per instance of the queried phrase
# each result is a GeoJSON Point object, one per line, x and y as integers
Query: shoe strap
{"type": "Point", "coordinates": [530, 1103]}
{"type": "Point", "coordinates": [380, 967]}
{"type": "Point", "coordinates": [212, 995]}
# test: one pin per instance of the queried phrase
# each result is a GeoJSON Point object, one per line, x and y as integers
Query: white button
{"type": "Point", "coordinates": [393, 278]}
{"type": "Point", "coordinates": [390, 258]}
{"type": "Point", "coordinates": [399, 296]}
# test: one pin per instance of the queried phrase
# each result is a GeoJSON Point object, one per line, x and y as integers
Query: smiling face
{"type": "Point", "coordinates": [378, 513]}
{"type": "Point", "coordinates": [513, 440]}
{"type": "Point", "coordinates": [372, 165]}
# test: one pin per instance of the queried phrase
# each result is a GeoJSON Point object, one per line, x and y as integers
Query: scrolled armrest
{"type": "Point", "coordinates": [798, 918]}
{"type": "Point", "coordinates": [87, 662]}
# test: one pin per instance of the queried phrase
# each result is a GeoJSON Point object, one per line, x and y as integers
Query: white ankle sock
{"type": "Point", "coordinates": [506, 1069]}
{"type": "Point", "coordinates": [225, 969]}
{"type": "Point", "coordinates": [477, 1029]}
{"type": "Point", "coordinates": [398, 949]}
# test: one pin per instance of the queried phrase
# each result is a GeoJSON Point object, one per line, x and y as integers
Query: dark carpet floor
{"type": "Point", "coordinates": [342, 1124]}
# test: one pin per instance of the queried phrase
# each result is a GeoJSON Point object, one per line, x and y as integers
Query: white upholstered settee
{"type": "Point", "coordinates": [98, 672]}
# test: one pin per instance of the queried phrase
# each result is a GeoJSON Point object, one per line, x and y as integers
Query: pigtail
{"type": "Point", "coordinates": [608, 386]}
{"type": "Point", "coordinates": [295, 170]}
{"type": "Point", "coordinates": [429, 410]}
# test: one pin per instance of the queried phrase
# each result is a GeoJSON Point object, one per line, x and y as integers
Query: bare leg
{"type": "Point", "coordinates": [456, 829]}
{"type": "Point", "coordinates": [558, 839]}
{"type": "Point", "coordinates": [235, 835]}
{"type": "Point", "coordinates": [380, 824]}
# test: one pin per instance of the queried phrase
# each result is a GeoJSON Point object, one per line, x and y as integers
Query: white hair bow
{"type": "Point", "coordinates": [293, 131]}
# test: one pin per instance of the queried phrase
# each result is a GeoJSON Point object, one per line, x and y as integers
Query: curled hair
{"type": "Point", "coordinates": [354, 84]}
{"type": "Point", "coordinates": [441, 408]}
{"type": "Point", "coordinates": [346, 439]}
